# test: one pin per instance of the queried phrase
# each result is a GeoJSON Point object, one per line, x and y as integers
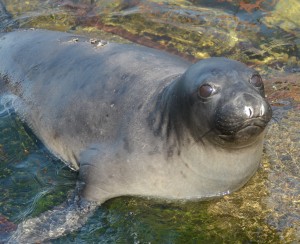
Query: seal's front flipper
{"type": "Point", "coordinates": [102, 169]}
{"type": "Point", "coordinates": [57, 222]}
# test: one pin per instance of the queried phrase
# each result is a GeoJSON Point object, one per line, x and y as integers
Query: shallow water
{"type": "Point", "coordinates": [263, 34]}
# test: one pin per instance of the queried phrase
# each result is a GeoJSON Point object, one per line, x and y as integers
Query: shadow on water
{"type": "Point", "coordinates": [264, 34]}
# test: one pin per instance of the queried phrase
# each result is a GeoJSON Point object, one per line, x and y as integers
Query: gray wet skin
{"type": "Point", "coordinates": [136, 121]}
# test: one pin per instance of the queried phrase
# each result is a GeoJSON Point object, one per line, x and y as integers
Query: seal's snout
{"type": "Point", "coordinates": [242, 119]}
{"type": "Point", "coordinates": [256, 107]}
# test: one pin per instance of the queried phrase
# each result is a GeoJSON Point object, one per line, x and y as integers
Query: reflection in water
{"type": "Point", "coordinates": [264, 34]}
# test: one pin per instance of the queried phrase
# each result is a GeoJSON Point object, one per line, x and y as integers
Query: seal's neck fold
{"type": "Point", "coordinates": [168, 117]}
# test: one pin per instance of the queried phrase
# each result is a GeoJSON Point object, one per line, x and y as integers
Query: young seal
{"type": "Point", "coordinates": [133, 120]}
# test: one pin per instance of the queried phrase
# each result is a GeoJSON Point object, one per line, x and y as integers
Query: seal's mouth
{"type": "Point", "coordinates": [244, 132]}
{"type": "Point", "coordinates": [258, 122]}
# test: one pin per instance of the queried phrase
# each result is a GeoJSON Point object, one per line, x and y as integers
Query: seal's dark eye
{"type": "Point", "coordinates": [256, 80]}
{"type": "Point", "coordinates": [205, 91]}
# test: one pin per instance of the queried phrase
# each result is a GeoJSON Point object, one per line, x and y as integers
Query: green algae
{"type": "Point", "coordinates": [28, 172]}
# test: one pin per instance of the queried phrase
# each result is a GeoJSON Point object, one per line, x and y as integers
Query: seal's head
{"type": "Point", "coordinates": [226, 102]}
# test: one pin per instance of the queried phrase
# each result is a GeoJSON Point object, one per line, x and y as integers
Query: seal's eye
{"type": "Point", "coordinates": [256, 80]}
{"type": "Point", "coordinates": [205, 91]}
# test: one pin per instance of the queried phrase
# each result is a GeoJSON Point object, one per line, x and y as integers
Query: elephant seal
{"type": "Point", "coordinates": [133, 120]}
{"type": "Point", "coordinates": [137, 121]}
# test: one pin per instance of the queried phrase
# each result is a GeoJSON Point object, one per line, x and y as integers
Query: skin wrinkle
{"type": "Point", "coordinates": [96, 186]}
{"type": "Point", "coordinates": [194, 171]}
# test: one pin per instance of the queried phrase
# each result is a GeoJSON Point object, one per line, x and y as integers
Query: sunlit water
{"type": "Point", "coordinates": [264, 34]}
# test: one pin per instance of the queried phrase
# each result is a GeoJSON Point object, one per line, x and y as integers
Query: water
{"type": "Point", "coordinates": [263, 34]}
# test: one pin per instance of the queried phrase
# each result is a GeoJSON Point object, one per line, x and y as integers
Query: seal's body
{"type": "Point", "coordinates": [132, 120]}
{"type": "Point", "coordinates": [136, 121]}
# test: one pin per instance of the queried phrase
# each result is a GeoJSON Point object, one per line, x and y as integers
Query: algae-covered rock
{"type": "Point", "coordinates": [286, 15]}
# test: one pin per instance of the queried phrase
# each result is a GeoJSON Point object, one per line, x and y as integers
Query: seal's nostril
{"type": "Point", "coordinates": [248, 111]}
{"type": "Point", "coordinates": [262, 110]}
